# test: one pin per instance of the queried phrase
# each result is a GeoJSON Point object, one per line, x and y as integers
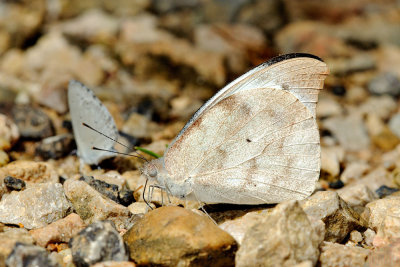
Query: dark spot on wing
{"type": "Point", "coordinates": [248, 140]}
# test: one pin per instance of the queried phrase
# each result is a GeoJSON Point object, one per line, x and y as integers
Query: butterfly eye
{"type": "Point", "coordinates": [152, 172]}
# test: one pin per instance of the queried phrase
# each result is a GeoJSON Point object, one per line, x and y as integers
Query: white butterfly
{"type": "Point", "coordinates": [255, 141]}
{"type": "Point", "coordinates": [85, 107]}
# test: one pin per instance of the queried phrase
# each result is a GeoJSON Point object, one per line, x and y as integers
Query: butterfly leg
{"type": "Point", "coordinates": [144, 193]}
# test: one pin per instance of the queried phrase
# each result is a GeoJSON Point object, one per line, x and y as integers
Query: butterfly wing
{"type": "Point", "coordinates": [254, 145]}
{"type": "Point", "coordinates": [301, 74]}
{"type": "Point", "coordinates": [85, 107]}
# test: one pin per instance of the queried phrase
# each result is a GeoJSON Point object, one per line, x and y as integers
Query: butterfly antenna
{"type": "Point", "coordinates": [120, 153]}
{"type": "Point", "coordinates": [116, 141]}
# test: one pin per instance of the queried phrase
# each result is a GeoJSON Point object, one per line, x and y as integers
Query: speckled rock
{"type": "Point", "coordinates": [387, 255]}
{"type": "Point", "coordinates": [377, 211]}
{"type": "Point", "coordinates": [30, 172]}
{"type": "Point", "coordinates": [55, 147]}
{"type": "Point", "coordinates": [285, 237]}
{"type": "Point", "coordinates": [178, 237]}
{"type": "Point", "coordinates": [385, 83]}
{"type": "Point", "coordinates": [30, 255]}
{"type": "Point", "coordinates": [36, 206]}
{"type": "Point", "coordinates": [333, 254]}
{"type": "Point", "coordinates": [32, 122]}
{"type": "Point", "coordinates": [98, 242]}
{"type": "Point", "coordinates": [388, 231]}
{"type": "Point", "coordinates": [92, 206]}
{"type": "Point", "coordinates": [8, 240]}
{"type": "Point", "coordinates": [14, 183]}
{"type": "Point", "coordinates": [59, 231]}
{"type": "Point", "coordinates": [338, 217]}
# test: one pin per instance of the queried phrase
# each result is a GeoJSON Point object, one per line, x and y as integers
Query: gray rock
{"type": "Point", "coordinates": [381, 106]}
{"type": "Point", "coordinates": [8, 240]}
{"type": "Point", "coordinates": [173, 236]}
{"type": "Point", "coordinates": [394, 124]}
{"type": "Point", "coordinates": [36, 206]}
{"type": "Point", "coordinates": [338, 217]}
{"type": "Point", "coordinates": [92, 206]}
{"type": "Point", "coordinates": [55, 147]}
{"type": "Point", "coordinates": [14, 183]}
{"type": "Point", "coordinates": [333, 254]}
{"type": "Point", "coordinates": [385, 83]}
{"type": "Point", "coordinates": [30, 256]}
{"type": "Point", "coordinates": [98, 242]}
{"type": "Point", "coordinates": [350, 131]}
{"type": "Point", "coordinates": [32, 122]}
{"type": "Point", "coordinates": [285, 237]}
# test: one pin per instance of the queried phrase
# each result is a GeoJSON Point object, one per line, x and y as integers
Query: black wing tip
{"type": "Point", "coordinates": [281, 58]}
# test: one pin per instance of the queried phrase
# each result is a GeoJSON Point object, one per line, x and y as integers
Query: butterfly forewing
{"type": "Point", "coordinates": [85, 107]}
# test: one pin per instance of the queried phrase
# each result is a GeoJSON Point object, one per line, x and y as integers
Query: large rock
{"type": "Point", "coordinates": [338, 217]}
{"type": "Point", "coordinates": [36, 206]}
{"type": "Point", "coordinates": [340, 255]}
{"type": "Point", "coordinates": [175, 236]}
{"type": "Point", "coordinates": [285, 237]}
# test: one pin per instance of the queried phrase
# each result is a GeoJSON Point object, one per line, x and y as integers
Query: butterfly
{"type": "Point", "coordinates": [86, 108]}
{"type": "Point", "coordinates": [256, 141]}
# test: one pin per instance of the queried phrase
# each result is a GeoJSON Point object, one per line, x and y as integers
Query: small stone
{"type": "Point", "coordinates": [98, 242]}
{"type": "Point", "coordinates": [385, 140]}
{"type": "Point", "coordinates": [330, 161]}
{"type": "Point", "coordinates": [338, 217]}
{"type": "Point", "coordinates": [8, 240]}
{"type": "Point", "coordinates": [92, 206]}
{"type": "Point", "coordinates": [354, 171]}
{"type": "Point", "coordinates": [357, 195]}
{"type": "Point", "coordinates": [140, 207]}
{"type": "Point", "coordinates": [328, 107]}
{"type": "Point", "coordinates": [336, 184]}
{"type": "Point", "coordinates": [385, 83]}
{"type": "Point", "coordinates": [333, 254]}
{"type": "Point", "coordinates": [385, 191]}
{"type": "Point", "coordinates": [59, 231]}
{"type": "Point", "coordinates": [357, 63]}
{"type": "Point", "coordinates": [32, 122]}
{"type": "Point", "coordinates": [388, 255]}
{"type": "Point", "coordinates": [388, 230]}
{"type": "Point", "coordinates": [126, 197]}
{"type": "Point", "coordinates": [14, 183]}
{"type": "Point", "coordinates": [381, 106]}
{"type": "Point", "coordinates": [55, 147]}
{"type": "Point", "coordinates": [377, 211]}
{"type": "Point", "coordinates": [9, 133]}
{"type": "Point", "coordinates": [394, 124]}
{"type": "Point", "coordinates": [36, 206]}
{"type": "Point", "coordinates": [30, 255]}
{"type": "Point", "coordinates": [4, 159]}
{"type": "Point", "coordinates": [350, 131]}
{"type": "Point", "coordinates": [274, 241]}
{"type": "Point", "coordinates": [106, 189]}
{"type": "Point", "coordinates": [176, 236]}
{"type": "Point", "coordinates": [369, 236]}
{"type": "Point", "coordinates": [30, 172]}
{"type": "Point", "coordinates": [139, 126]}
{"type": "Point", "coordinates": [356, 236]}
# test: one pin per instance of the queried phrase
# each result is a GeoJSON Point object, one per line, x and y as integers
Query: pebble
{"type": "Point", "coordinates": [369, 236]}
{"type": "Point", "coordinates": [394, 124]}
{"type": "Point", "coordinates": [330, 161]}
{"type": "Point", "coordinates": [354, 171]}
{"type": "Point", "coordinates": [328, 107]}
{"type": "Point", "coordinates": [99, 241]}
{"type": "Point", "coordinates": [55, 147]}
{"type": "Point", "coordinates": [30, 255]}
{"type": "Point", "coordinates": [357, 63]}
{"type": "Point", "coordinates": [178, 237]}
{"type": "Point", "coordinates": [382, 106]}
{"type": "Point", "coordinates": [339, 218]}
{"type": "Point", "coordinates": [274, 241]}
{"type": "Point", "coordinates": [32, 122]}
{"type": "Point", "coordinates": [9, 238]}
{"type": "Point", "coordinates": [385, 83]}
{"type": "Point", "coordinates": [350, 131]}
{"type": "Point", "coordinates": [385, 191]}
{"type": "Point", "coordinates": [92, 206]}
{"type": "Point", "coordinates": [114, 264]}
{"type": "Point", "coordinates": [35, 207]}
{"type": "Point", "coordinates": [377, 211]}
{"type": "Point", "coordinates": [139, 126]}
{"type": "Point", "coordinates": [140, 207]}
{"type": "Point", "coordinates": [357, 194]}
{"type": "Point", "coordinates": [14, 183]}
{"type": "Point", "coordinates": [9, 133]}
{"type": "Point", "coordinates": [30, 171]}
{"type": "Point", "coordinates": [59, 231]}
{"type": "Point", "coordinates": [333, 254]}
{"type": "Point", "coordinates": [388, 230]}
{"type": "Point", "coordinates": [356, 236]}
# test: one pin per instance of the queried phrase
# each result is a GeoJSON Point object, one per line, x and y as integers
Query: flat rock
{"type": "Point", "coordinates": [333, 254]}
{"type": "Point", "coordinates": [350, 131]}
{"type": "Point", "coordinates": [36, 206]}
{"type": "Point", "coordinates": [98, 242]}
{"type": "Point", "coordinates": [284, 237]}
{"type": "Point", "coordinates": [29, 171]}
{"type": "Point", "coordinates": [59, 231]}
{"type": "Point", "coordinates": [339, 218]}
{"type": "Point", "coordinates": [92, 206]}
{"type": "Point", "coordinates": [178, 237]}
